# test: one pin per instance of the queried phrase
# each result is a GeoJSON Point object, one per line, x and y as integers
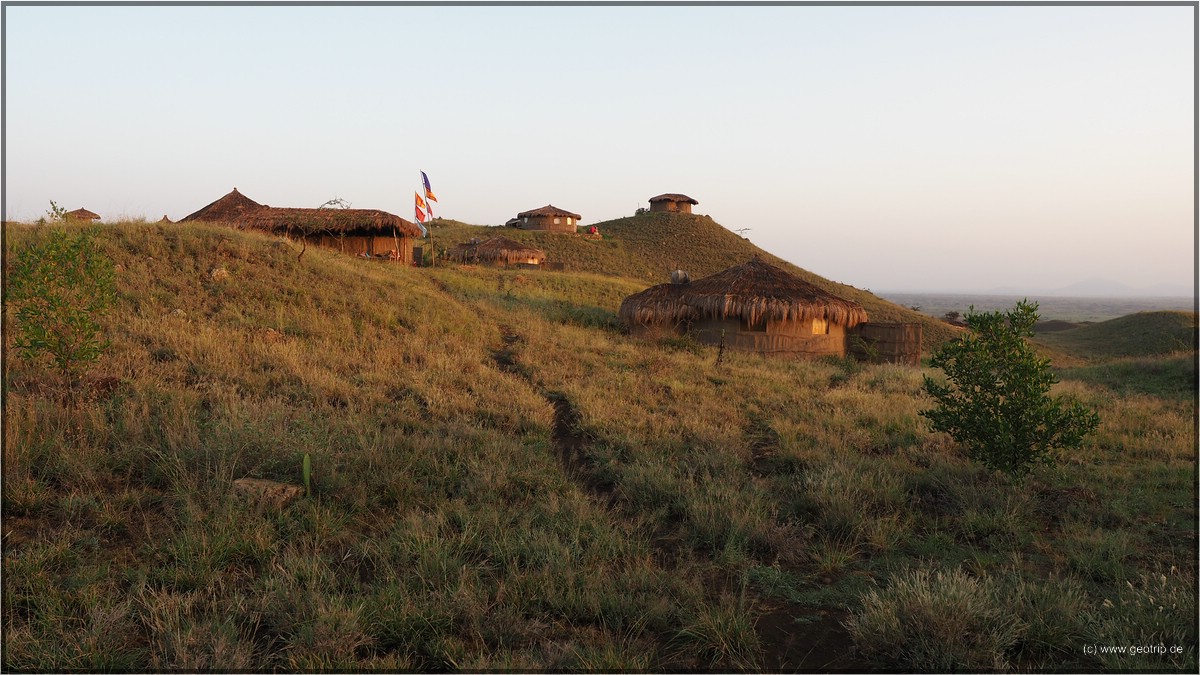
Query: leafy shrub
{"type": "Point", "coordinates": [61, 286]}
{"type": "Point", "coordinates": [999, 406]}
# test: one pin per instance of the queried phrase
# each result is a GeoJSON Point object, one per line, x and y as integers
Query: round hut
{"type": "Point", "coordinates": [672, 202]}
{"type": "Point", "coordinates": [754, 307]}
{"type": "Point", "coordinates": [498, 251]}
{"type": "Point", "coordinates": [227, 209]}
{"type": "Point", "coordinates": [81, 214]}
{"type": "Point", "coordinates": [549, 218]}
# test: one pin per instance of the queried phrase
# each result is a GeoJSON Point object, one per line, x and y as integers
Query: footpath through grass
{"type": "Point", "coordinates": [504, 481]}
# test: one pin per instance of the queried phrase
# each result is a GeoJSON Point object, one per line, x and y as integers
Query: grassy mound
{"type": "Point", "coordinates": [503, 480]}
{"type": "Point", "coordinates": [1141, 334]}
{"type": "Point", "coordinates": [648, 246]}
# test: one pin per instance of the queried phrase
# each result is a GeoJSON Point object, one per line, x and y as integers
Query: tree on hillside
{"type": "Point", "coordinates": [997, 403]}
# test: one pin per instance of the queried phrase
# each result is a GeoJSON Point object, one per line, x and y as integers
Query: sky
{"type": "Point", "coordinates": [903, 148]}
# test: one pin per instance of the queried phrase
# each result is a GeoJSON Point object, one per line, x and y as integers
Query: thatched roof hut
{"type": "Point", "coordinates": [165, 219]}
{"type": "Point", "coordinates": [753, 306]}
{"type": "Point", "coordinates": [81, 214]}
{"type": "Point", "coordinates": [549, 217]}
{"type": "Point", "coordinates": [227, 209]}
{"type": "Point", "coordinates": [672, 202]}
{"type": "Point", "coordinates": [368, 232]}
{"type": "Point", "coordinates": [498, 250]}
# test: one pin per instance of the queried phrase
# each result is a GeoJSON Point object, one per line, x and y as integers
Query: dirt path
{"type": "Point", "coordinates": [794, 638]}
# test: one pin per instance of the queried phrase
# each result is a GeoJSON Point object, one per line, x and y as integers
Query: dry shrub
{"type": "Point", "coordinates": [936, 622]}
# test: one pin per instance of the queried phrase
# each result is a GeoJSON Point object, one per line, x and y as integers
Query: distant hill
{"type": "Point", "coordinates": [647, 247]}
{"type": "Point", "coordinates": [1141, 334]}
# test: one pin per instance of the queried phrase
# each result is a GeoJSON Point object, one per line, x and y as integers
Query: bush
{"type": "Point", "coordinates": [999, 406]}
{"type": "Point", "coordinates": [60, 287]}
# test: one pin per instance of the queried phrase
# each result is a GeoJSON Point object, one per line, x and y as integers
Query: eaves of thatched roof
{"type": "Point", "coordinates": [82, 214]}
{"type": "Point", "coordinates": [329, 221]}
{"type": "Point", "coordinates": [549, 210]}
{"type": "Point", "coordinates": [673, 197]}
{"type": "Point", "coordinates": [753, 291]}
{"type": "Point", "coordinates": [503, 248]}
{"type": "Point", "coordinates": [498, 249]}
{"type": "Point", "coordinates": [236, 208]}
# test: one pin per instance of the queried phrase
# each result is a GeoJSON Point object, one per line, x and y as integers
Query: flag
{"type": "Point", "coordinates": [420, 202]}
{"type": "Point", "coordinates": [428, 191]}
{"type": "Point", "coordinates": [418, 209]}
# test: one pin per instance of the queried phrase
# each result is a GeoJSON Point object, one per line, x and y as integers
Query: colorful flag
{"type": "Point", "coordinates": [420, 209]}
{"type": "Point", "coordinates": [428, 190]}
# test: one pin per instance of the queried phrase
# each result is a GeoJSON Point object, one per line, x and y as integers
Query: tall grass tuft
{"type": "Point", "coordinates": [941, 621]}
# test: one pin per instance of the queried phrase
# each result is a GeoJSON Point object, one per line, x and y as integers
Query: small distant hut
{"type": "Point", "coordinates": [753, 307]}
{"type": "Point", "coordinates": [81, 214]}
{"type": "Point", "coordinates": [366, 232]}
{"type": "Point", "coordinates": [498, 251]}
{"type": "Point", "coordinates": [549, 218]}
{"type": "Point", "coordinates": [165, 219]}
{"type": "Point", "coordinates": [672, 202]}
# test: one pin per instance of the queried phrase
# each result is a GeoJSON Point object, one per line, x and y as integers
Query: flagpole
{"type": "Point", "coordinates": [432, 250]}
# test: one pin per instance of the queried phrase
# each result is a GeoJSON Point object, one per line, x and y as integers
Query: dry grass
{"type": "Point", "coordinates": [460, 520]}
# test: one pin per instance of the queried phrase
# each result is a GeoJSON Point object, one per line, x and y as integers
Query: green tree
{"type": "Point", "coordinates": [997, 402]}
{"type": "Point", "coordinates": [60, 286]}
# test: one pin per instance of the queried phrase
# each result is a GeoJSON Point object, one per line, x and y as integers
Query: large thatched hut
{"type": "Point", "coordinates": [355, 231]}
{"type": "Point", "coordinates": [672, 202]}
{"type": "Point", "coordinates": [497, 251]}
{"type": "Point", "coordinates": [754, 307]}
{"type": "Point", "coordinates": [549, 217]}
{"type": "Point", "coordinates": [81, 214]}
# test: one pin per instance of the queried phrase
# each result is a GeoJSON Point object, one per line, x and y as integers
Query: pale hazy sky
{"type": "Point", "coordinates": [893, 148]}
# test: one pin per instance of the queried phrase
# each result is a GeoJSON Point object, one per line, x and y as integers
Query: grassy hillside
{"type": "Point", "coordinates": [647, 247]}
{"type": "Point", "coordinates": [1141, 334]}
{"type": "Point", "coordinates": [502, 480]}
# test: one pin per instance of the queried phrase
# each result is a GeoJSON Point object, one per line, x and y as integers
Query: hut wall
{"type": "Point", "coordinates": [565, 224]}
{"type": "Point", "coordinates": [671, 207]}
{"type": "Point", "coordinates": [796, 340]}
{"type": "Point", "coordinates": [886, 342]}
{"type": "Point", "coordinates": [359, 244]}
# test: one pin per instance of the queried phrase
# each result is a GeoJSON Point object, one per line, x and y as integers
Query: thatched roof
{"type": "Point", "coordinates": [165, 219]}
{"type": "Point", "coordinates": [752, 291]}
{"type": "Point", "coordinates": [497, 249]}
{"type": "Point", "coordinates": [673, 197]}
{"type": "Point", "coordinates": [549, 210]}
{"type": "Point", "coordinates": [227, 209]}
{"type": "Point", "coordinates": [236, 208]}
{"type": "Point", "coordinates": [332, 221]}
{"type": "Point", "coordinates": [82, 214]}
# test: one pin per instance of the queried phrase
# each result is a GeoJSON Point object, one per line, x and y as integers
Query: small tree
{"type": "Point", "coordinates": [999, 407]}
{"type": "Point", "coordinates": [60, 287]}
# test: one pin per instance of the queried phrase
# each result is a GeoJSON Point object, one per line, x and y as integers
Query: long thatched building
{"type": "Point", "coordinates": [497, 251]}
{"type": "Point", "coordinates": [754, 307]}
{"type": "Point", "coordinates": [354, 231]}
